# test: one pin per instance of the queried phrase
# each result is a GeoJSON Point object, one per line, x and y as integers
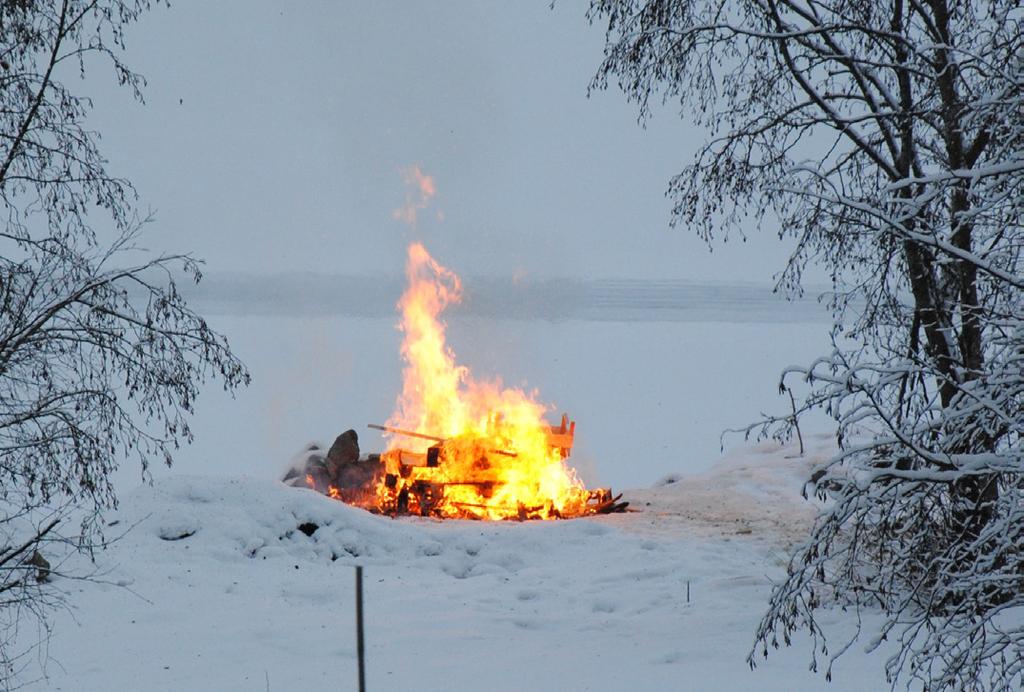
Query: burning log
{"type": "Point", "coordinates": [459, 477]}
{"type": "Point", "coordinates": [467, 476]}
{"type": "Point", "coordinates": [604, 503]}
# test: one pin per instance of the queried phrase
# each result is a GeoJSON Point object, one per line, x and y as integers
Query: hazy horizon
{"type": "Point", "coordinates": [279, 137]}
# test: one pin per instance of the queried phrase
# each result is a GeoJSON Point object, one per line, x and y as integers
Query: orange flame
{"type": "Point", "coordinates": [420, 191]}
{"type": "Point", "coordinates": [495, 457]}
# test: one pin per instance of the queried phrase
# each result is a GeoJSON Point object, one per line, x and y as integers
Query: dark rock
{"type": "Point", "coordinates": [346, 470]}
{"type": "Point", "coordinates": [343, 452]}
{"type": "Point", "coordinates": [341, 469]}
{"type": "Point", "coordinates": [360, 474]}
{"type": "Point", "coordinates": [308, 528]}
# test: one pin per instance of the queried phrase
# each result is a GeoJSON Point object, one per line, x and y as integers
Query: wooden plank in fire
{"type": "Point", "coordinates": [435, 438]}
{"type": "Point", "coordinates": [561, 436]}
{"type": "Point", "coordinates": [607, 505]}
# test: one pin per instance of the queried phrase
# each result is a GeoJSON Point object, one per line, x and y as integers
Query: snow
{"type": "Point", "coordinates": [212, 586]}
{"type": "Point", "coordinates": [215, 587]}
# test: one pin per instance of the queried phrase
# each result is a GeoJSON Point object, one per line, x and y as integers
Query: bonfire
{"type": "Point", "coordinates": [457, 446]}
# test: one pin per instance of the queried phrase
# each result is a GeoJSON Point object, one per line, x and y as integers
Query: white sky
{"type": "Point", "coordinates": [274, 133]}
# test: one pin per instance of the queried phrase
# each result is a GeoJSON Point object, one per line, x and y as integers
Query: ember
{"type": "Point", "coordinates": [458, 447]}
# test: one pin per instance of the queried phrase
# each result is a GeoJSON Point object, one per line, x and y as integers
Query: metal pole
{"type": "Point", "coordinates": [359, 628]}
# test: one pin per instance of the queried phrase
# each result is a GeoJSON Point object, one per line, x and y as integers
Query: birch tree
{"type": "Point", "coordinates": [100, 357]}
{"type": "Point", "coordinates": [887, 138]}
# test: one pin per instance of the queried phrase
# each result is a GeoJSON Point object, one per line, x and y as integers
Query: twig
{"type": "Point", "coordinates": [796, 422]}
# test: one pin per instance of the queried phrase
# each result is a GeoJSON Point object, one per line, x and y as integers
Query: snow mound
{"type": "Point", "coordinates": [754, 492]}
{"type": "Point", "coordinates": [245, 519]}
{"type": "Point", "coordinates": [244, 584]}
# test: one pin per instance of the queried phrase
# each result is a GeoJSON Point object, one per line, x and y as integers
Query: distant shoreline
{"type": "Point", "coordinates": [562, 299]}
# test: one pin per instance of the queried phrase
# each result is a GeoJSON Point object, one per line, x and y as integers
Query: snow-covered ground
{"type": "Point", "coordinates": [213, 586]}
{"type": "Point", "coordinates": [216, 588]}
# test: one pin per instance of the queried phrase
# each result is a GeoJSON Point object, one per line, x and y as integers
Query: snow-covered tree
{"type": "Point", "coordinates": [887, 137]}
{"type": "Point", "coordinates": [100, 358]}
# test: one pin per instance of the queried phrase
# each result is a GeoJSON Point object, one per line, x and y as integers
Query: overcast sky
{"type": "Point", "coordinates": [275, 133]}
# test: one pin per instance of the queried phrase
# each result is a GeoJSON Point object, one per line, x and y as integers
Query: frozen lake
{"type": "Point", "coordinates": [652, 371]}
